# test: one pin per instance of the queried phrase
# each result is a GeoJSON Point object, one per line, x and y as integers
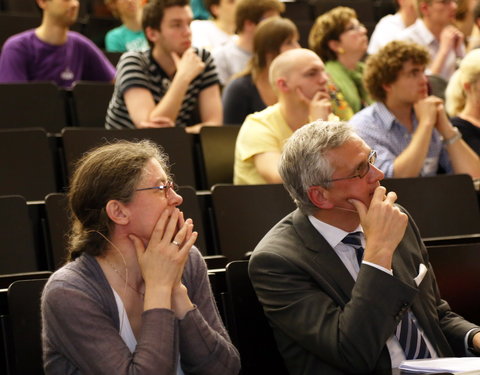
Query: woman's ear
{"type": "Point", "coordinates": [319, 197]}
{"type": "Point", "coordinates": [334, 45]}
{"type": "Point", "coordinates": [117, 212]}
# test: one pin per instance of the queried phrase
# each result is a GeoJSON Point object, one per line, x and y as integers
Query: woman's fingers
{"type": "Point", "coordinates": [159, 229]}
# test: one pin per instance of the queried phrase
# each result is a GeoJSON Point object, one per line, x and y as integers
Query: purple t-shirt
{"type": "Point", "coordinates": [26, 58]}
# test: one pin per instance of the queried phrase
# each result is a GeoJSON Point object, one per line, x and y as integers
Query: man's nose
{"type": "Point", "coordinates": [375, 174]}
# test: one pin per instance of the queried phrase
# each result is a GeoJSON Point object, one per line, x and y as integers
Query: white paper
{"type": "Point", "coordinates": [442, 365]}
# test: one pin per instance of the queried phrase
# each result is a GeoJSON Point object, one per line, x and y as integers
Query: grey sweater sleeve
{"type": "Point", "coordinates": [80, 336]}
{"type": "Point", "coordinates": [205, 347]}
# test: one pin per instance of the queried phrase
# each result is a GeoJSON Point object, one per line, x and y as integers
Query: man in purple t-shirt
{"type": "Point", "coordinates": [53, 53]}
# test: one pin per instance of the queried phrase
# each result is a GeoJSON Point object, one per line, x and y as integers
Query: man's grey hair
{"type": "Point", "coordinates": [304, 162]}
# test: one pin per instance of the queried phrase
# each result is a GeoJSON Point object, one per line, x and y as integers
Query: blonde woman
{"type": "Point", "coordinates": [463, 99]}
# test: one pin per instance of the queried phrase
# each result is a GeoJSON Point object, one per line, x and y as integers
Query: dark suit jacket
{"type": "Point", "coordinates": [324, 322]}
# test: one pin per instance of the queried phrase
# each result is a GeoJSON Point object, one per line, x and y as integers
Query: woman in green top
{"type": "Point", "coordinates": [341, 41]}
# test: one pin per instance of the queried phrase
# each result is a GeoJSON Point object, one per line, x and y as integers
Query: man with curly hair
{"type": "Point", "coordinates": [408, 128]}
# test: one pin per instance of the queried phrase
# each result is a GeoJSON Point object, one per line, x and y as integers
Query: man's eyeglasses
{"type": "Point", "coordinates": [165, 187]}
{"type": "Point", "coordinates": [362, 170]}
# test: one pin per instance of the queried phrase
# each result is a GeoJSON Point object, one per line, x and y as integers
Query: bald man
{"type": "Point", "coordinates": [300, 82]}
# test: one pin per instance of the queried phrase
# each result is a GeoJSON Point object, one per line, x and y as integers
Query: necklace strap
{"type": "Point", "coordinates": [123, 278]}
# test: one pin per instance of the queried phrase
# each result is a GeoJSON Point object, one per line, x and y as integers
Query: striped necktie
{"type": "Point", "coordinates": [410, 338]}
{"type": "Point", "coordinates": [354, 239]}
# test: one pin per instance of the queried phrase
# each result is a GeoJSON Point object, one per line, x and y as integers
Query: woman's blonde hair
{"type": "Point", "coordinates": [468, 72]}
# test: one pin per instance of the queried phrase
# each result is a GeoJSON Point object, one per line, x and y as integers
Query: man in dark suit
{"type": "Point", "coordinates": [331, 311]}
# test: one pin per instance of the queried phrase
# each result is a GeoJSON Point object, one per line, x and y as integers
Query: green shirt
{"type": "Point", "coordinates": [350, 84]}
{"type": "Point", "coordinates": [122, 39]}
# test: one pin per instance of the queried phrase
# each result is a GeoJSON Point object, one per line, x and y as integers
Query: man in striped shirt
{"type": "Point", "coordinates": [172, 84]}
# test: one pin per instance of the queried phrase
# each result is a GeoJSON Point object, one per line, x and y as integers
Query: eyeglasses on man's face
{"type": "Point", "coordinates": [362, 170]}
{"type": "Point", "coordinates": [169, 185]}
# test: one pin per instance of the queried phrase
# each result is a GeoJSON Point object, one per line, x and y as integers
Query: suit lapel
{"type": "Point", "coordinates": [328, 266]}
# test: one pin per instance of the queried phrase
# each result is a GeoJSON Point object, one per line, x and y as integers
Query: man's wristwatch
{"type": "Point", "coordinates": [453, 138]}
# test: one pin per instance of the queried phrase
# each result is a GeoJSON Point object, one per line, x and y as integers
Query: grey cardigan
{"type": "Point", "coordinates": [81, 327]}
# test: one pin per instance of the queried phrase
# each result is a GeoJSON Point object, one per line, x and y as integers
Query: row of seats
{"type": "Point", "coordinates": [34, 164]}
{"type": "Point", "coordinates": [228, 219]}
{"type": "Point", "coordinates": [20, 348]}
{"type": "Point", "coordinates": [53, 108]}
{"type": "Point", "coordinates": [232, 219]}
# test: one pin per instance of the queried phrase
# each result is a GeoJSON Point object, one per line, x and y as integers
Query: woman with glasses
{"type": "Point", "coordinates": [134, 296]}
{"type": "Point", "coordinates": [341, 41]}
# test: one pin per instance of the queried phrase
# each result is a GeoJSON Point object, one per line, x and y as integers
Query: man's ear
{"type": "Point", "coordinates": [386, 87]}
{"type": "Point", "coordinates": [152, 34]}
{"type": "Point", "coordinates": [214, 9]}
{"type": "Point", "coordinates": [117, 212]}
{"type": "Point", "coordinates": [423, 8]}
{"type": "Point", "coordinates": [41, 3]}
{"type": "Point", "coordinates": [282, 84]}
{"type": "Point", "coordinates": [249, 27]}
{"type": "Point", "coordinates": [319, 197]}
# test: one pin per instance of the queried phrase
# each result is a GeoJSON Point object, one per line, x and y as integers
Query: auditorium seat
{"type": "Point", "coordinates": [57, 228]}
{"type": "Point", "coordinates": [21, 327]}
{"type": "Point", "coordinates": [7, 279]}
{"type": "Point", "coordinates": [95, 28]}
{"type": "Point", "coordinates": [113, 57]}
{"type": "Point", "coordinates": [90, 102]}
{"type": "Point", "coordinates": [456, 271]}
{"type": "Point", "coordinates": [175, 141]}
{"type": "Point", "coordinates": [218, 153]}
{"type": "Point", "coordinates": [32, 104]}
{"type": "Point", "coordinates": [26, 164]}
{"type": "Point", "coordinates": [302, 14]}
{"type": "Point", "coordinates": [17, 248]}
{"type": "Point", "coordinates": [243, 214]}
{"type": "Point", "coordinates": [248, 326]}
{"type": "Point", "coordinates": [14, 23]}
{"type": "Point", "coordinates": [191, 209]}
{"type": "Point", "coordinates": [442, 206]}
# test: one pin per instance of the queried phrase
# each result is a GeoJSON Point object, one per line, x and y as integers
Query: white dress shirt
{"type": "Point", "coordinates": [420, 34]}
